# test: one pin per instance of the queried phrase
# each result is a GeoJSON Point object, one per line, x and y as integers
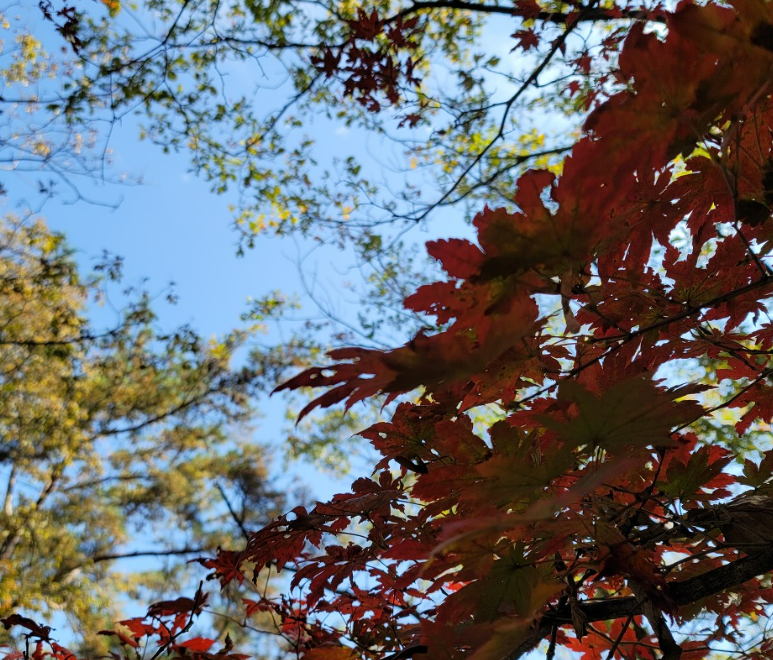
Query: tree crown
{"type": "Point", "coordinates": [600, 357]}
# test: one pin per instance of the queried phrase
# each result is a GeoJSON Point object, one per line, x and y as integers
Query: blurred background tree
{"type": "Point", "coordinates": [117, 443]}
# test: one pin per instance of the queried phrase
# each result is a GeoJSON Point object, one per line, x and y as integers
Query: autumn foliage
{"type": "Point", "coordinates": [600, 509]}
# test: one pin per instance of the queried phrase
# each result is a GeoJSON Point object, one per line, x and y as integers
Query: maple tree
{"type": "Point", "coordinates": [591, 512]}
{"type": "Point", "coordinates": [554, 480]}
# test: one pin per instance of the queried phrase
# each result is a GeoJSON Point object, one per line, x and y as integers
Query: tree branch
{"type": "Point", "coordinates": [712, 582]}
{"type": "Point", "coordinates": [533, 76]}
{"type": "Point", "coordinates": [239, 522]}
{"type": "Point", "coordinates": [147, 553]}
{"type": "Point", "coordinates": [668, 646]}
{"type": "Point", "coordinates": [559, 18]}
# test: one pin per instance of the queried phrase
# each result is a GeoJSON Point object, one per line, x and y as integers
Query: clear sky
{"type": "Point", "coordinates": [172, 228]}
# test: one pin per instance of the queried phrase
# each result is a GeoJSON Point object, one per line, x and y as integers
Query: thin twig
{"type": "Point", "coordinates": [619, 639]}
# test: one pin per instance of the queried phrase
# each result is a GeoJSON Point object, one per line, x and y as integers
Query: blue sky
{"type": "Point", "coordinates": [171, 228]}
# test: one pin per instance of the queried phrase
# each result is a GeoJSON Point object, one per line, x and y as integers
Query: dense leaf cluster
{"type": "Point", "coordinates": [592, 508]}
{"type": "Point", "coordinates": [117, 439]}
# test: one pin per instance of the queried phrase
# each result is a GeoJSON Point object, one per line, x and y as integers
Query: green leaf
{"type": "Point", "coordinates": [631, 413]}
{"type": "Point", "coordinates": [755, 475]}
{"type": "Point", "coordinates": [684, 481]}
{"type": "Point", "coordinates": [510, 587]}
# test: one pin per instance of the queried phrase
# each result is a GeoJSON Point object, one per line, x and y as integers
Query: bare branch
{"type": "Point", "coordinates": [712, 582]}
{"type": "Point", "coordinates": [591, 15]}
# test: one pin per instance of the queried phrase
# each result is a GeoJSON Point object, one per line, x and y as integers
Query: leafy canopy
{"type": "Point", "coordinates": [250, 91]}
{"type": "Point", "coordinates": [117, 442]}
{"type": "Point", "coordinates": [554, 478]}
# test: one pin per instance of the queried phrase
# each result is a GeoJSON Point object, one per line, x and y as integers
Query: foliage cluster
{"type": "Point", "coordinates": [112, 435]}
{"type": "Point", "coordinates": [598, 506]}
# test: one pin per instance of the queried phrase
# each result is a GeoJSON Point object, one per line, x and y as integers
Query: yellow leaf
{"type": "Point", "coordinates": [113, 6]}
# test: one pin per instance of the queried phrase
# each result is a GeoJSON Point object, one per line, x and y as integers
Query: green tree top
{"type": "Point", "coordinates": [117, 443]}
{"type": "Point", "coordinates": [443, 89]}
